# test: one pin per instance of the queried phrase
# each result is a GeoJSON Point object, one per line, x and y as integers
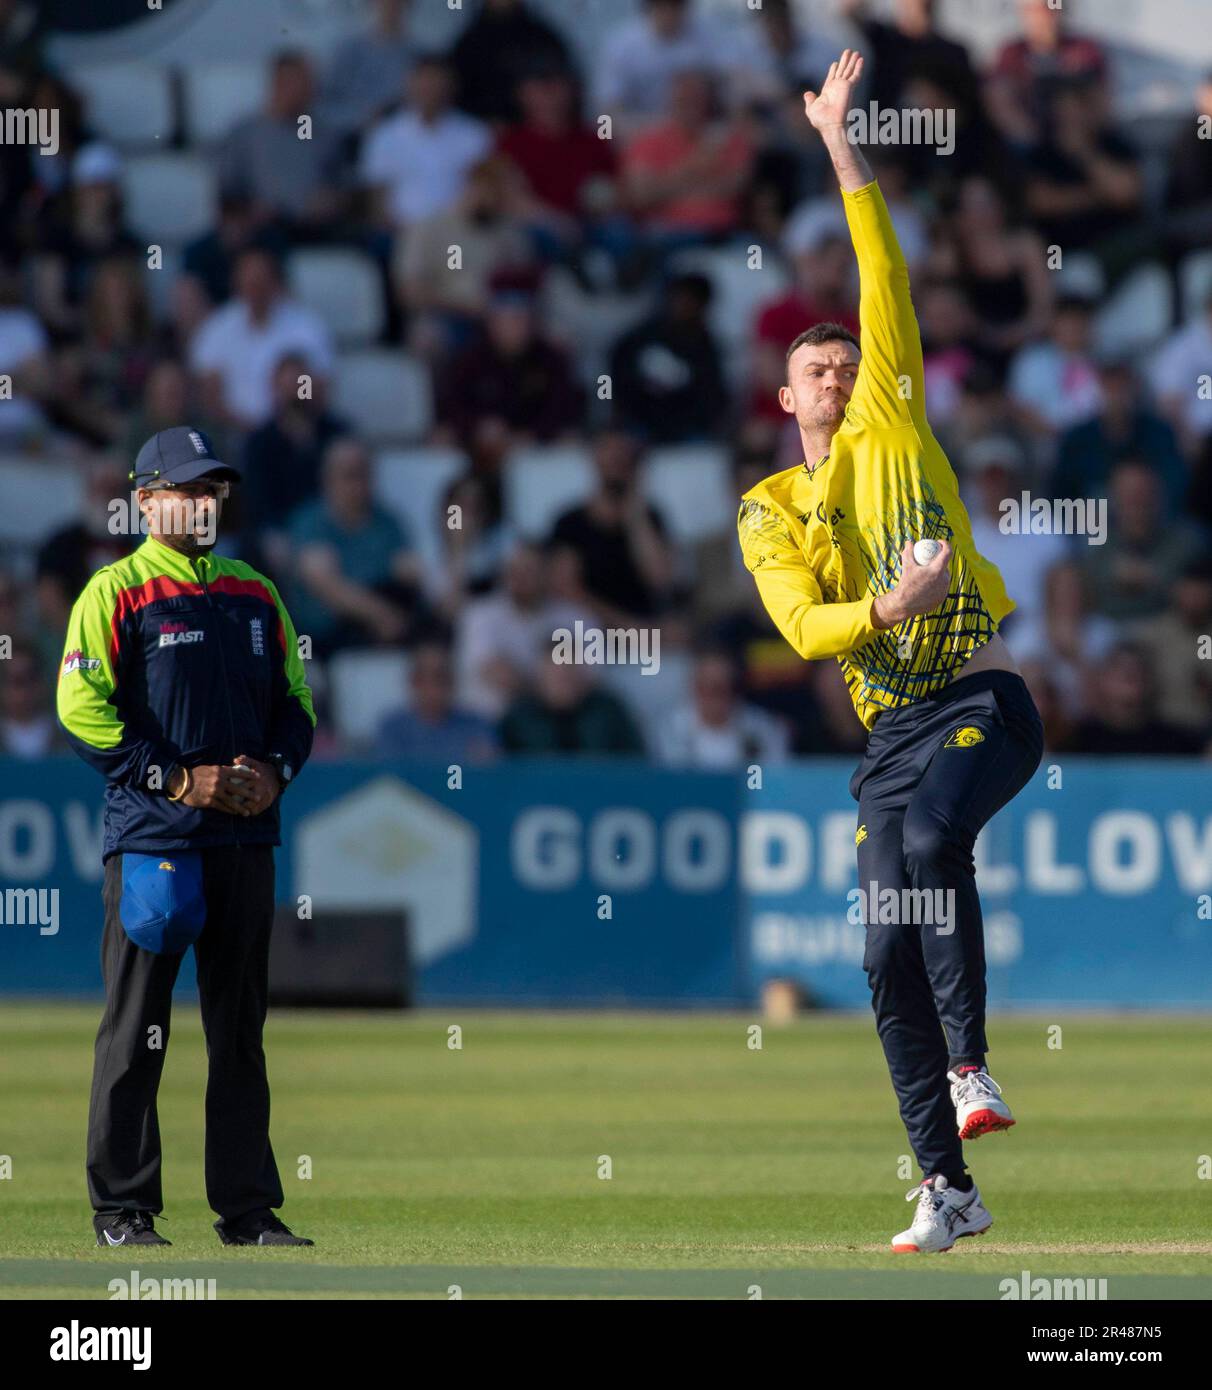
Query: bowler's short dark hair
{"type": "Point", "coordinates": [822, 333]}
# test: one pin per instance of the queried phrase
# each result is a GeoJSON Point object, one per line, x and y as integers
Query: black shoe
{"type": "Point", "coordinates": [127, 1228]}
{"type": "Point", "coordinates": [258, 1228]}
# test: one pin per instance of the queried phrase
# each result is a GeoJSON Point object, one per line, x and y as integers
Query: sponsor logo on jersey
{"type": "Point", "coordinates": [967, 737]}
{"type": "Point", "coordinates": [173, 634]}
{"type": "Point", "coordinates": [77, 661]}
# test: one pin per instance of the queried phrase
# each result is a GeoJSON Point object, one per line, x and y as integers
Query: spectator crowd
{"type": "Point", "coordinates": [606, 255]}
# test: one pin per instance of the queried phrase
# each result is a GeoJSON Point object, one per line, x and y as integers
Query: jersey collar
{"type": "Point", "coordinates": [177, 566]}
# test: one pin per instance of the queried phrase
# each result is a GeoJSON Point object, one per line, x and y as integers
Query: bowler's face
{"type": "Point", "coordinates": [820, 382]}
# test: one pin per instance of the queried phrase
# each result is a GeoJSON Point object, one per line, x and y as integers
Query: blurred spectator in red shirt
{"type": "Point", "coordinates": [513, 386]}
{"type": "Point", "coordinates": [823, 292]}
{"type": "Point", "coordinates": [562, 160]}
{"type": "Point", "coordinates": [684, 176]}
{"type": "Point", "coordinates": [1025, 72]}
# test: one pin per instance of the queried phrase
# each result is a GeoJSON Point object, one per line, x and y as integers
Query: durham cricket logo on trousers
{"type": "Point", "coordinates": [967, 737]}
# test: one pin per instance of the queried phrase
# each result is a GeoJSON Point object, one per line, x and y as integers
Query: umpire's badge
{"type": "Point", "coordinates": [967, 737]}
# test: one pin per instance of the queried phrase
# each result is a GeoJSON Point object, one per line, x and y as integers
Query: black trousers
{"type": "Point", "coordinates": [232, 955]}
{"type": "Point", "coordinates": [934, 773]}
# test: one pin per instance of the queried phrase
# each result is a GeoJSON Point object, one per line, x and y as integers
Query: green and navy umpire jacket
{"type": "Point", "coordinates": [176, 661]}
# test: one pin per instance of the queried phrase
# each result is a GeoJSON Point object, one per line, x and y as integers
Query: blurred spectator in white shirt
{"type": "Point", "coordinates": [236, 349]}
{"type": "Point", "coordinates": [1180, 376]}
{"type": "Point", "coordinates": [28, 728]}
{"type": "Point", "coordinates": [499, 639]}
{"type": "Point", "coordinates": [418, 159]}
{"type": "Point", "coordinates": [1054, 383]}
{"type": "Point", "coordinates": [641, 56]}
{"type": "Point", "coordinates": [24, 358]}
{"type": "Point", "coordinates": [995, 471]}
{"type": "Point", "coordinates": [715, 729]}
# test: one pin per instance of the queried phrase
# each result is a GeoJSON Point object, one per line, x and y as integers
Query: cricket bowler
{"type": "Point", "coordinates": [953, 733]}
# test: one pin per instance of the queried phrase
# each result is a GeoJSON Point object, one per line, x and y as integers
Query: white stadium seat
{"type": "Point", "coordinates": [651, 699]}
{"type": "Point", "coordinates": [217, 95]}
{"type": "Point", "coordinates": [1138, 315]}
{"type": "Point", "coordinates": [127, 103]}
{"type": "Point", "coordinates": [691, 470]}
{"type": "Point", "coordinates": [541, 484]}
{"type": "Point", "coordinates": [364, 685]}
{"type": "Point", "coordinates": [1081, 274]}
{"type": "Point", "coordinates": [737, 293]}
{"type": "Point", "coordinates": [37, 498]}
{"type": "Point", "coordinates": [386, 394]}
{"type": "Point", "coordinates": [169, 198]}
{"type": "Point", "coordinates": [344, 287]}
{"type": "Point", "coordinates": [411, 483]}
{"type": "Point", "coordinates": [1195, 277]}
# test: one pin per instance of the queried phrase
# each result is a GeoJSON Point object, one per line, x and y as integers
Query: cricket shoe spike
{"type": "Point", "coordinates": [943, 1215]}
{"type": "Point", "coordinates": [979, 1107]}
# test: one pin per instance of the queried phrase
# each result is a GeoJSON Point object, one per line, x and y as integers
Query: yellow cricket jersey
{"type": "Point", "coordinates": [822, 545]}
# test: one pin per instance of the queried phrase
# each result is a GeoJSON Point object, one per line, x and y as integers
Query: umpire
{"type": "Point", "coordinates": [182, 684]}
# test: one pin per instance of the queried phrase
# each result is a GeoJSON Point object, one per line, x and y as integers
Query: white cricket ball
{"type": "Point", "coordinates": [925, 551]}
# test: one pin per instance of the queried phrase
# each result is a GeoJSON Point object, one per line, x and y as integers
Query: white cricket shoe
{"type": "Point", "coordinates": [979, 1107]}
{"type": "Point", "coordinates": [943, 1215]}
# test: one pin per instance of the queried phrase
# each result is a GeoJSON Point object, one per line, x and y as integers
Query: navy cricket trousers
{"type": "Point", "coordinates": [933, 774]}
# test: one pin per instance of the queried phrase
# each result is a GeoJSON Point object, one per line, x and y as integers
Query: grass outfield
{"type": "Point", "coordinates": [731, 1167]}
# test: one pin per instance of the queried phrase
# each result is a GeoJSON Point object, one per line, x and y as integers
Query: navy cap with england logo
{"type": "Point", "coordinates": [179, 455]}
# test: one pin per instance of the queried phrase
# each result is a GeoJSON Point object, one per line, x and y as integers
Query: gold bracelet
{"type": "Point", "coordinates": [189, 781]}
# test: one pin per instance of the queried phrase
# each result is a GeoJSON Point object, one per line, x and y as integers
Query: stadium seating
{"type": "Point", "coordinates": [217, 95]}
{"type": "Point", "coordinates": [128, 104]}
{"type": "Point", "coordinates": [344, 287]}
{"type": "Point", "coordinates": [652, 698]}
{"type": "Point", "coordinates": [364, 685]}
{"type": "Point", "coordinates": [169, 198]}
{"type": "Point", "coordinates": [1195, 279]}
{"type": "Point", "coordinates": [738, 292]}
{"type": "Point", "coordinates": [691, 470]}
{"type": "Point", "coordinates": [387, 392]}
{"type": "Point", "coordinates": [1138, 315]}
{"type": "Point", "coordinates": [51, 491]}
{"type": "Point", "coordinates": [411, 483]}
{"type": "Point", "coordinates": [541, 484]}
{"type": "Point", "coordinates": [588, 323]}
{"type": "Point", "coordinates": [1081, 274]}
